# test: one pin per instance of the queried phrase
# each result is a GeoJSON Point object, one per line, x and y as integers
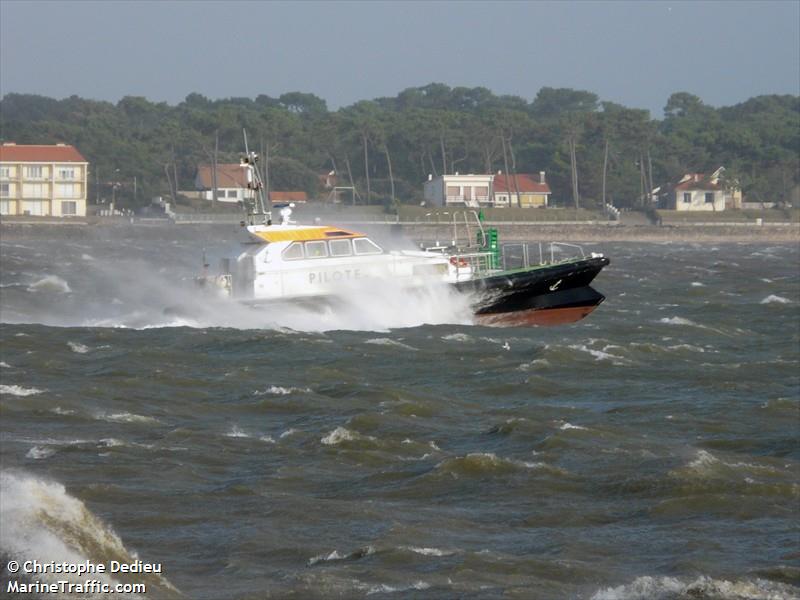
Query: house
{"type": "Point", "coordinates": [231, 182]}
{"type": "Point", "coordinates": [458, 190]}
{"type": "Point", "coordinates": [697, 191]}
{"type": "Point", "coordinates": [42, 180]}
{"type": "Point", "coordinates": [534, 192]}
{"type": "Point", "coordinates": [499, 190]}
{"type": "Point", "coordinates": [288, 197]}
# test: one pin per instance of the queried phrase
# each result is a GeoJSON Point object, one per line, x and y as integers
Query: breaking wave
{"type": "Point", "coordinates": [342, 434]}
{"type": "Point", "coordinates": [40, 521]}
{"type": "Point", "coordinates": [50, 283]}
{"type": "Point", "coordinates": [773, 299]}
{"type": "Point", "coordinates": [702, 588]}
{"type": "Point", "coordinates": [16, 390]}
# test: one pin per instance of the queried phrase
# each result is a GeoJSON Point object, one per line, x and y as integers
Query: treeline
{"type": "Point", "coordinates": [387, 147]}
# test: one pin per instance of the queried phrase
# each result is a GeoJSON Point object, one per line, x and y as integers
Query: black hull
{"type": "Point", "coordinates": [548, 295]}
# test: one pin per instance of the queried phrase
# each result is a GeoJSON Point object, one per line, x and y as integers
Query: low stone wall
{"type": "Point", "coordinates": [579, 232]}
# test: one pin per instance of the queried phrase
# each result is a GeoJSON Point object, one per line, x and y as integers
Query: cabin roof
{"type": "Point", "coordinates": [303, 234]}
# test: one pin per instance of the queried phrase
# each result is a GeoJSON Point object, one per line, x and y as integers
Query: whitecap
{"type": "Point", "coordinates": [40, 452]}
{"type": "Point", "coordinates": [389, 342]}
{"type": "Point", "coordinates": [536, 362]}
{"type": "Point", "coordinates": [336, 555]}
{"type": "Point", "coordinates": [282, 391]}
{"type": "Point", "coordinates": [599, 354]}
{"type": "Point", "coordinates": [325, 557]}
{"type": "Point", "coordinates": [457, 337]}
{"type": "Point", "coordinates": [698, 284]}
{"type": "Point", "coordinates": [678, 321]}
{"type": "Point", "coordinates": [125, 417]}
{"type": "Point", "coordinates": [686, 347]}
{"type": "Point", "coordinates": [110, 442]}
{"type": "Point", "coordinates": [567, 426]}
{"type": "Point", "coordinates": [773, 299]}
{"type": "Point", "coordinates": [235, 432]}
{"type": "Point", "coordinates": [50, 283]}
{"type": "Point", "coordinates": [86, 257]}
{"type": "Point", "coordinates": [5, 365]}
{"type": "Point", "coordinates": [428, 551]}
{"type": "Point", "coordinates": [78, 348]}
{"type": "Point", "coordinates": [16, 390]}
{"type": "Point", "coordinates": [289, 432]}
{"type": "Point", "coordinates": [267, 439]}
{"type": "Point", "coordinates": [383, 588]}
{"type": "Point", "coordinates": [342, 434]}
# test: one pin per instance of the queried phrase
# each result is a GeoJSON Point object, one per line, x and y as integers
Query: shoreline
{"type": "Point", "coordinates": [781, 232]}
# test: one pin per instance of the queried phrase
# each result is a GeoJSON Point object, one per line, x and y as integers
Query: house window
{"type": "Point", "coordinates": [69, 208]}
{"type": "Point", "coordinates": [5, 207]}
{"type": "Point", "coordinates": [293, 252]}
{"type": "Point", "coordinates": [33, 207]}
{"type": "Point", "coordinates": [316, 249]}
{"type": "Point", "coordinates": [709, 197]}
{"type": "Point", "coordinates": [66, 173]}
{"type": "Point", "coordinates": [67, 190]}
{"type": "Point", "coordinates": [4, 190]}
{"type": "Point", "coordinates": [33, 190]}
{"type": "Point", "coordinates": [35, 172]}
{"type": "Point", "coordinates": [687, 197]}
{"type": "Point", "coordinates": [340, 248]}
{"type": "Point", "coordinates": [220, 193]}
{"type": "Point", "coordinates": [231, 193]}
{"type": "Point", "coordinates": [5, 172]}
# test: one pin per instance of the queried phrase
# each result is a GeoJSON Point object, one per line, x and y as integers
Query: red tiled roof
{"type": "Point", "coordinates": [697, 181]}
{"type": "Point", "coordinates": [62, 153]}
{"type": "Point", "coordinates": [288, 196]}
{"type": "Point", "coordinates": [229, 175]}
{"type": "Point", "coordinates": [525, 182]}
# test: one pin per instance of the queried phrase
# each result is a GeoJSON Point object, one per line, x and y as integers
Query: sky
{"type": "Point", "coordinates": [633, 53]}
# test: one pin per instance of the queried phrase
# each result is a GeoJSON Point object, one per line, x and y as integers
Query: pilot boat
{"type": "Point", "coordinates": [289, 262]}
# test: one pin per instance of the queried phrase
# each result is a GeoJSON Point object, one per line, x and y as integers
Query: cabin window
{"type": "Point", "coordinates": [709, 197]}
{"type": "Point", "coordinates": [316, 249]}
{"type": "Point", "coordinates": [293, 252]}
{"type": "Point", "coordinates": [366, 246]}
{"type": "Point", "coordinates": [340, 248]}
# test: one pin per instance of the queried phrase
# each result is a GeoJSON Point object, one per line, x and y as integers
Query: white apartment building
{"type": "Point", "coordinates": [459, 190]}
{"type": "Point", "coordinates": [48, 181]}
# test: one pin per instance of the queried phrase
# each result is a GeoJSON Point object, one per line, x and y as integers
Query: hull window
{"type": "Point", "coordinates": [316, 250]}
{"type": "Point", "coordinates": [293, 252]}
{"type": "Point", "coordinates": [340, 248]}
{"type": "Point", "coordinates": [366, 246]}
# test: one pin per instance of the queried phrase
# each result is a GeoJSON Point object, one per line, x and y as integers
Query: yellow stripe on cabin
{"type": "Point", "coordinates": [311, 233]}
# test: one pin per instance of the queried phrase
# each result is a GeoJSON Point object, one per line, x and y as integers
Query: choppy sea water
{"type": "Point", "coordinates": [392, 449]}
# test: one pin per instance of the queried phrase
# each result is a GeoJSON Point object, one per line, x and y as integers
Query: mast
{"type": "Point", "coordinates": [258, 205]}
